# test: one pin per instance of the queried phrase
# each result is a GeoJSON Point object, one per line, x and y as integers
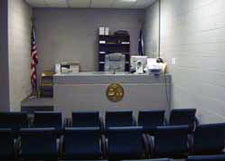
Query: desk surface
{"type": "Point", "coordinates": [95, 74]}
{"type": "Point", "coordinates": [106, 77]}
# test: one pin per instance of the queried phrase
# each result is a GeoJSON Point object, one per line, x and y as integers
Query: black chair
{"type": "Point", "coordinates": [82, 143]}
{"type": "Point", "coordinates": [119, 119]}
{"type": "Point", "coordinates": [38, 144]}
{"type": "Point", "coordinates": [171, 141]}
{"type": "Point", "coordinates": [86, 119]}
{"type": "Point", "coordinates": [209, 139]}
{"type": "Point", "coordinates": [183, 117]}
{"type": "Point", "coordinates": [47, 120]}
{"type": "Point", "coordinates": [13, 120]}
{"type": "Point", "coordinates": [125, 143]}
{"type": "Point", "coordinates": [149, 120]}
{"type": "Point", "coordinates": [206, 158]}
{"type": "Point", "coordinates": [7, 150]}
{"type": "Point", "coordinates": [163, 159]}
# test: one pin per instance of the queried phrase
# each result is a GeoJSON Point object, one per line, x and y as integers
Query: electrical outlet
{"type": "Point", "coordinates": [173, 61]}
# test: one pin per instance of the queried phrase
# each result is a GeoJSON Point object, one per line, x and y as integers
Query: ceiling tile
{"type": "Point", "coordinates": [101, 3]}
{"type": "Point", "coordinates": [79, 3]}
{"type": "Point", "coordinates": [143, 3]}
{"type": "Point", "coordinates": [122, 4]}
{"type": "Point", "coordinates": [57, 3]}
{"type": "Point", "coordinates": [36, 3]}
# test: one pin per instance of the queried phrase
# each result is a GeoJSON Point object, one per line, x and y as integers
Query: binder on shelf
{"type": "Point", "coordinates": [102, 42]}
{"type": "Point", "coordinates": [125, 43]}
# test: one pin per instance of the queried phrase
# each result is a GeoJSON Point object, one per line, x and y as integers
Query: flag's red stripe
{"type": "Point", "coordinates": [34, 62]}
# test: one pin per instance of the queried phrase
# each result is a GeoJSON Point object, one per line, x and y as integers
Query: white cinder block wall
{"type": "Point", "coordinates": [19, 35]}
{"type": "Point", "coordinates": [193, 32]}
{"type": "Point", "coordinates": [151, 30]}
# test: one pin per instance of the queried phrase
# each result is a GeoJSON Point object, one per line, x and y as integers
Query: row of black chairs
{"type": "Point", "coordinates": [148, 119]}
{"type": "Point", "coordinates": [191, 158]}
{"type": "Point", "coordinates": [120, 140]}
{"type": "Point", "coordinates": [118, 143]}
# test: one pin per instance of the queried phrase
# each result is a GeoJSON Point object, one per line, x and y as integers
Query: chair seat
{"type": "Point", "coordinates": [38, 144]}
{"type": "Point", "coordinates": [6, 145]}
{"type": "Point", "coordinates": [207, 158]}
{"type": "Point", "coordinates": [81, 156]}
{"type": "Point", "coordinates": [163, 159]}
{"type": "Point", "coordinates": [40, 156]}
{"type": "Point", "coordinates": [209, 139]}
{"type": "Point", "coordinates": [171, 141]}
{"type": "Point", "coordinates": [125, 143]}
{"type": "Point", "coordinates": [149, 120]}
{"type": "Point", "coordinates": [82, 143]}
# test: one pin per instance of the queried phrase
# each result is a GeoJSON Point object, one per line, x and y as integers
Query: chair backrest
{"type": "Point", "coordinates": [13, 120]}
{"type": "Point", "coordinates": [182, 117]}
{"type": "Point", "coordinates": [171, 140]}
{"type": "Point", "coordinates": [125, 142]}
{"type": "Point", "coordinates": [48, 119]}
{"type": "Point", "coordinates": [82, 143]}
{"type": "Point", "coordinates": [38, 144]}
{"type": "Point", "coordinates": [115, 62]}
{"type": "Point", "coordinates": [150, 119]}
{"type": "Point", "coordinates": [119, 118]}
{"type": "Point", "coordinates": [162, 159]}
{"type": "Point", "coordinates": [6, 145]}
{"type": "Point", "coordinates": [85, 119]}
{"type": "Point", "coordinates": [218, 157]}
{"type": "Point", "coordinates": [209, 138]}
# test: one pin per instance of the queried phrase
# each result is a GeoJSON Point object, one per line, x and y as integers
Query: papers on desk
{"type": "Point", "coordinates": [154, 67]}
{"type": "Point", "coordinates": [67, 67]}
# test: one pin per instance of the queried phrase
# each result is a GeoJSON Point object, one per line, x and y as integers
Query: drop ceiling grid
{"type": "Point", "coordinates": [90, 3]}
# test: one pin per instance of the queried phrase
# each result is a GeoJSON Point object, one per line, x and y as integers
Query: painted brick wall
{"type": "Point", "coordinates": [19, 20]}
{"type": "Point", "coordinates": [193, 32]}
{"type": "Point", "coordinates": [72, 34]}
{"type": "Point", "coordinates": [151, 30]}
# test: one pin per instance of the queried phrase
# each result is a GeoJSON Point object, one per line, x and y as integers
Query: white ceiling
{"type": "Point", "coordinates": [126, 4]}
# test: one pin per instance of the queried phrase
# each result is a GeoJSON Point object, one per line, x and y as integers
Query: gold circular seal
{"type": "Point", "coordinates": [115, 92]}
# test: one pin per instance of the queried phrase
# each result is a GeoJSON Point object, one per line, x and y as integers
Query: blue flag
{"type": "Point", "coordinates": [141, 44]}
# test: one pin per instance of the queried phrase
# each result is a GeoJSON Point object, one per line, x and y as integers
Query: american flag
{"type": "Point", "coordinates": [34, 61]}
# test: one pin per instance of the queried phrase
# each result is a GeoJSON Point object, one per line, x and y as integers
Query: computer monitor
{"type": "Point", "coordinates": [138, 63]}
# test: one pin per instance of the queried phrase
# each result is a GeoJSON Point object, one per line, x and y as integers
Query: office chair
{"type": "Point", "coordinates": [14, 121]}
{"type": "Point", "coordinates": [119, 119]}
{"type": "Point", "coordinates": [38, 144]}
{"type": "Point", "coordinates": [206, 158]}
{"type": "Point", "coordinates": [209, 139]}
{"type": "Point", "coordinates": [149, 120]}
{"type": "Point", "coordinates": [183, 117]}
{"type": "Point", "coordinates": [82, 143]}
{"type": "Point", "coordinates": [125, 143]}
{"type": "Point", "coordinates": [48, 119]}
{"type": "Point", "coordinates": [7, 151]}
{"type": "Point", "coordinates": [171, 141]}
{"type": "Point", "coordinates": [115, 62]}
